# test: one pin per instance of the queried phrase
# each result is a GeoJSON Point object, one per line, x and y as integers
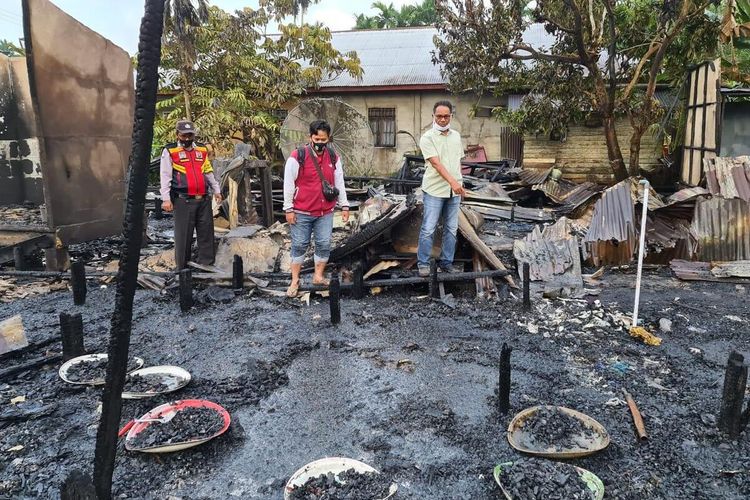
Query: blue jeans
{"type": "Point", "coordinates": [306, 226]}
{"type": "Point", "coordinates": [433, 208]}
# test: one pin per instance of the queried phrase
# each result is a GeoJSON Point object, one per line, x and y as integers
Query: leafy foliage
{"type": "Point", "coordinates": [578, 59]}
{"type": "Point", "coordinates": [10, 49]}
{"type": "Point", "coordinates": [389, 17]}
{"type": "Point", "coordinates": [243, 76]}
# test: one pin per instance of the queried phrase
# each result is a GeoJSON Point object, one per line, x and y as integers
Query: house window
{"type": "Point", "coordinates": [383, 125]}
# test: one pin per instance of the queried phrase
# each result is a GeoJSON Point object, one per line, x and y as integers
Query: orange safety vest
{"type": "Point", "coordinates": [189, 168]}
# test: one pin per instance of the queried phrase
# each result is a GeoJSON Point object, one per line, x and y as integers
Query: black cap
{"type": "Point", "coordinates": [185, 127]}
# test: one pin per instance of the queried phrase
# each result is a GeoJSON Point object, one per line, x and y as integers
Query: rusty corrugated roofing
{"type": "Point", "coordinates": [611, 237]}
{"type": "Point", "coordinates": [728, 177]}
{"type": "Point", "coordinates": [722, 229]}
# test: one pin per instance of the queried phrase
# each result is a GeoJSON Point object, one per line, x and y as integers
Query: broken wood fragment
{"type": "Point", "coordinates": [467, 231]}
{"type": "Point", "coordinates": [637, 419]}
{"type": "Point", "coordinates": [735, 383]}
{"type": "Point", "coordinates": [34, 363]}
{"type": "Point", "coordinates": [71, 331]}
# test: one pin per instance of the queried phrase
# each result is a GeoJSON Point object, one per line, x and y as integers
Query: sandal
{"type": "Point", "coordinates": [323, 282]}
{"type": "Point", "coordinates": [292, 291]}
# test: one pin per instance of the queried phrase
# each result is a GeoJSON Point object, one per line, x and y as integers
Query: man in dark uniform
{"type": "Point", "coordinates": [186, 174]}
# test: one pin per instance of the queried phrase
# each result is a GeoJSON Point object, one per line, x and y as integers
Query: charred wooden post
{"type": "Point", "coordinates": [526, 287]}
{"type": "Point", "coordinates": [434, 283]}
{"type": "Point", "coordinates": [238, 274]}
{"type": "Point", "coordinates": [513, 212]}
{"type": "Point", "coordinates": [358, 281]}
{"type": "Point", "coordinates": [334, 299]}
{"type": "Point", "coordinates": [503, 387]}
{"type": "Point", "coordinates": [71, 330]}
{"type": "Point", "coordinates": [186, 290]}
{"type": "Point", "coordinates": [735, 382]}
{"type": "Point", "coordinates": [19, 259]}
{"type": "Point", "coordinates": [147, 82]}
{"type": "Point", "coordinates": [158, 214]}
{"type": "Point", "coordinates": [78, 282]}
{"type": "Point", "coordinates": [266, 194]}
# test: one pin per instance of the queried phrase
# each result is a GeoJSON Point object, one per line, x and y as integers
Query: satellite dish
{"type": "Point", "coordinates": [350, 131]}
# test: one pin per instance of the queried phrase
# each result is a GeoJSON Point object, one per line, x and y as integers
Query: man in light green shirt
{"type": "Point", "coordinates": [442, 188]}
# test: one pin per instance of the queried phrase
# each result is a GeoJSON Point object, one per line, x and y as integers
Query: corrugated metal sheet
{"type": "Point", "coordinates": [568, 194]}
{"type": "Point", "coordinates": [403, 56]}
{"type": "Point", "coordinates": [552, 254]}
{"type": "Point", "coordinates": [687, 194]}
{"type": "Point", "coordinates": [611, 238]}
{"type": "Point", "coordinates": [389, 57]}
{"type": "Point", "coordinates": [729, 177]}
{"type": "Point", "coordinates": [722, 229]}
{"type": "Point", "coordinates": [532, 176]}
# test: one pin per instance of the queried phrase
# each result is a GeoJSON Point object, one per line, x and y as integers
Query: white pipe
{"type": "Point", "coordinates": [646, 189]}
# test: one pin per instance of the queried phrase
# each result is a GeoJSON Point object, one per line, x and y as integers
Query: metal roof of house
{"type": "Point", "coordinates": [389, 58]}
{"type": "Point", "coordinates": [403, 56]}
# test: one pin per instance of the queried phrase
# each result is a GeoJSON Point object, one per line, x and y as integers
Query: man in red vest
{"type": "Point", "coordinates": [186, 174]}
{"type": "Point", "coordinates": [308, 211]}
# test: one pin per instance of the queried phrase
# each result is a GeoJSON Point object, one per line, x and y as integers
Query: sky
{"type": "Point", "coordinates": [119, 20]}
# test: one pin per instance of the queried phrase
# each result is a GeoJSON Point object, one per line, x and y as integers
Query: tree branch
{"type": "Point", "coordinates": [535, 54]}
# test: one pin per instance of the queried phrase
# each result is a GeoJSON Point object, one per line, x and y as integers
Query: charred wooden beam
{"type": "Point", "coordinates": [334, 299]}
{"type": "Point", "coordinates": [147, 82]}
{"type": "Point", "coordinates": [735, 383]}
{"type": "Point", "coordinates": [434, 283]}
{"type": "Point", "coordinates": [186, 290]}
{"type": "Point", "coordinates": [71, 331]}
{"type": "Point", "coordinates": [78, 282]}
{"type": "Point", "coordinates": [358, 282]}
{"type": "Point", "coordinates": [526, 287]}
{"type": "Point", "coordinates": [238, 277]}
{"type": "Point", "coordinates": [503, 387]}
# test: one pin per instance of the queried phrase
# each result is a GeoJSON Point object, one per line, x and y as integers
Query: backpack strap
{"type": "Point", "coordinates": [302, 151]}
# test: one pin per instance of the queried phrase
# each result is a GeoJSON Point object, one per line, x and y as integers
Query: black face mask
{"type": "Point", "coordinates": [319, 146]}
{"type": "Point", "coordinates": [187, 143]}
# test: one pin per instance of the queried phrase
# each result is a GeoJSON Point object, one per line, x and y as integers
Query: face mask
{"type": "Point", "coordinates": [187, 143]}
{"type": "Point", "coordinates": [441, 128]}
{"type": "Point", "coordinates": [319, 146]}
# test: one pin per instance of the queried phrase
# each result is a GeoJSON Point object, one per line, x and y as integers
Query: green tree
{"type": "Point", "coordinates": [10, 49]}
{"type": "Point", "coordinates": [735, 42]}
{"type": "Point", "coordinates": [388, 17]}
{"type": "Point", "coordinates": [603, 58]}
{"type": "Point", "coordinates": [244, 76]}
{"type": "Point", "coordinates": [181, 20]}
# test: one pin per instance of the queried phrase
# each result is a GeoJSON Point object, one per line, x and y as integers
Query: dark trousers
{"type": "Point", "coordinates": [192, 214]}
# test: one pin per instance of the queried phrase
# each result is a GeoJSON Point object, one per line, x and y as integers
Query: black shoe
{"type": "Point", "coordinates": [450, 269]}
{"type": "Point", "coordinates": [423, 271]}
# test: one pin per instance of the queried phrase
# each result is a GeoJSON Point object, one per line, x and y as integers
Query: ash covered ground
{"type": "Point", "coordinates": [404, 383]}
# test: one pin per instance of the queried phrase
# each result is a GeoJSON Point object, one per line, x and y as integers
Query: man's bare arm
{"type": "Point", "coordinates": [454, 184]}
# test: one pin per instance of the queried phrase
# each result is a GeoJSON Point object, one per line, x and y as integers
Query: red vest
{"type": "Point", "coordinates": [189, 169]}
{"type": "Point", "coordinates": [308, 193]}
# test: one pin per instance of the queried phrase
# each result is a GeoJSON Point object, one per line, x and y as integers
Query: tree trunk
{"type": "Point", "coordinates": [614, 153]}
{"type": "Point", "coordinates": [185, 81]}
{"type": "Point", "coordinates": [635, 151]}
{"type": "Point", "coordinates": [147, 83]}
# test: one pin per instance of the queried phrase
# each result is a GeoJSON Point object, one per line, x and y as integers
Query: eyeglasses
{"type": "Point", "coordinates": [443, 117]}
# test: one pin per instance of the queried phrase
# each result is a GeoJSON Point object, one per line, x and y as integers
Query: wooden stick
{"type": "Point", "coordinates": [334, 296]}
{"type": "Point", "coordinates": [637, 419]}
{"type": "Point", "coordinates": [503, 389]}
{"type": "Point", "coordinates": [78, 282]}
